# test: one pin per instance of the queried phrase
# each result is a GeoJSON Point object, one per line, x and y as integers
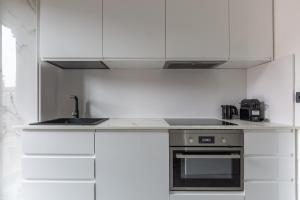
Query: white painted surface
{"type": "Point", "coordinates": [57, 168]}
{"type": "Point", "coordinates": [269, 191]}
{"type": "Point", "coordinates": [149, 93]}
{"type": "Point", "coordinates": [49, 84]}
{"type": "Point", "coordinates": [132, 165]}
{"type": "Point", "coordinates": [134, 28]}
{"type": "Point", "coordinates": [197, 29]}
{"type": "Point", "coordinates": [270, 165]}
{"type": "Point", "coordinates": [270, 168]}
{"type": "Point", "coordinates": [243, 63]}
{"type": "Point", "coordinates": [71, 28]}
{"type": "Point", "coordinates": [251, 29]}
{"type": "Point", "coordinates": [134, 64]}
{"type": "Point", "coordinates": [269, 143]}
{"type": "Point", "coordinates": [206, 196]}
{"type": "Point", "coordinates": [273, 83]}
{"type": "Point", "coordinates": [287, 41]}
{"type": "Point", "coordinates": [58, 142]}
{"type": "Point", "coordinates": [145, 93]}
{"type": "Point", "coordinates": [57, 191]}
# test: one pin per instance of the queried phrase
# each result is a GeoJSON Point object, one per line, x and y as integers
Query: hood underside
{"type": "Point", "coordinates": [192, 64]}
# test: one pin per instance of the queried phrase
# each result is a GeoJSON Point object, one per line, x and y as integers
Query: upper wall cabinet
{"type": "Point", "coordinates": [71, 29]}
{"type": "Point", "coordinates": [134, 29]}
{"type": "Point", "coordinates": [251, 29]}
{"type": "Point", "coordinates": [197, 29]}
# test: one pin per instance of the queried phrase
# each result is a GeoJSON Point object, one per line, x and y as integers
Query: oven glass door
{"type": "Point", "coordinates": [208, 168]}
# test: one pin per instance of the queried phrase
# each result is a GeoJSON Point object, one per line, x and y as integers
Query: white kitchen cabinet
{"type": "Point", "coordinates": [58, 168]}
{"type": "Point", "coordinates": [71, 29]}
{"type": "Point", "coordinates": [58, 165]}
{"type": "Point", "coordinates": [270, 165]}
{"type": "Point", "coordinates": [33, 190]}
{"type": "Point", "coordinates": [58, 142]}
{"type": "Point", "coordinates": [197, 29]}
{"type": "Point", "coordinates": [251, 29]}
{"type": "Point", "coordinates": [270, 168]}
{"type": "Point", "coordinates": [132, 165]}
{"type": "Point", "coordinates": [272, 142]}
{"type": "Point", "coordinates": [134, 29]}
{"type": "Point", "coordinates": [270, 191]}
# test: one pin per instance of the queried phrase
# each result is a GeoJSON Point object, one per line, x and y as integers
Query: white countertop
{"type": "Point", "coordinates": [154, 124]}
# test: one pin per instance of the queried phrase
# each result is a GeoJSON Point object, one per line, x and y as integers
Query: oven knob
{"type": "Point", "coordinates": [191, 140]}
{"type": "Point", "coordinates": [223, 140]}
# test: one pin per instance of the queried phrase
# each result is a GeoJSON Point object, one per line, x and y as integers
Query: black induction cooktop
{"type": "Point", "coordinates": [197, 122]}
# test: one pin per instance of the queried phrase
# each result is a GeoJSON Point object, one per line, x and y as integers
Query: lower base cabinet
{"type": "Point", "coordinates": [40, 190]}
{"type": "Point", "coordinates": [270, 171]}
{"type": "Point", "coordinates": [270, 191]}
{"type": "Point", "coordinates": [132, 165]}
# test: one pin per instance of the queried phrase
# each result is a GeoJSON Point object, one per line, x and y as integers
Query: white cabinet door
{"type": "Point", "coordinates": [251, 29]}
{"type": "Point", "coordinates": [269, 168]}
{"type": "Point", "coordinates": [132, 165]}
{"type": "Point", "coordinates": [197, 29]}
{"type": "Point", "coordinates": [270, 191]}
{"type": "Point", "coordinates": [58, 142]}
{"type": "Point", "coordinates": [272, 142]}
{"type": "Point", "coordinates": [57, 191]}
{"type": "Point", "coordinates": [58, 168]}
{"type": "Point", "coordinates": [134, 28]}
{"type": "Point", "coordinates": [71, 28]}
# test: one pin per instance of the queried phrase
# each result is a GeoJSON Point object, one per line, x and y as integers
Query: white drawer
{"type": "Point", "coordinates": [58, 168]}
{"type": "Point", "coordinates": [206, 196]}
{"type": "Point", "coordinates": [269, 142]}
{"type": "Point", "coordinates": [269, 168]}
{"type": "Point", "coordinates": [58, 142]}
{"type": "Point", "coordinates": [270, 191]}
{"type": "Point", "coordinates": [57, 191]}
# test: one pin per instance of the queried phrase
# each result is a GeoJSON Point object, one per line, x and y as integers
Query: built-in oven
{"type": "Point", "coordinates": [206, 160]}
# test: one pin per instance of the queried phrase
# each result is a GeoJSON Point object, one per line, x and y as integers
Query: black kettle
{"type": "Point", "coordinates": [228, 111]}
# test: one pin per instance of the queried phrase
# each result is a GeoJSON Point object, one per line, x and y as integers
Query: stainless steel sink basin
{"type": "Point", "coordinates": [72, 121]}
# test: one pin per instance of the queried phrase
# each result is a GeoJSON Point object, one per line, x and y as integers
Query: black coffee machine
{"type": "Point", "coordinates": [252, 110]}
{"type": "Point", "coordinates": [228, 111]}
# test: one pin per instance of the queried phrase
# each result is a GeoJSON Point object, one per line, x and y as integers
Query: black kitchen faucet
{"type": "Point", "coordinates": [75, 112]}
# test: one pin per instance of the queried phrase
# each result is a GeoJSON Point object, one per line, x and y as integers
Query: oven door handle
{"type": "Point", "coordinates": [185, 156]}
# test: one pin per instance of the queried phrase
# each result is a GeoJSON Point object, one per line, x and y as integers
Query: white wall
{"type": "Point", "coordinates": [287, 38]}
{"type": "Point", "coordinates": [273, 83]}
{"type": "Point", "coordinates": [151, 93]}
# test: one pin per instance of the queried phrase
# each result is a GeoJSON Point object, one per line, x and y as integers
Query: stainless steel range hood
{"type": "Point", "coordinates": [79, 64]}
{"type": "Point", "coordinates": [192, 64]}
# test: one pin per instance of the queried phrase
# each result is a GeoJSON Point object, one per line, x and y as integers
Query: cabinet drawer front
{"type": "Point", "coordinates": [270, 191]}
{"type": "Point", "coordinates": [205, 196]}
{"type": "Point", "coordinates": [269, 142]}
{"type": "Point", "coordinates": [58, 168]}
{"type": "Point", "coordinates": [58, 191]}
{"type": "Point", "coordinates": [269, 168]}
{"type": "Point", "coordinates": [58, 142]}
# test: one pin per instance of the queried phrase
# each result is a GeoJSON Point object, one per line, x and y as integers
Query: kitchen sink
{"type": "Point", "coordinates": [72, 121]}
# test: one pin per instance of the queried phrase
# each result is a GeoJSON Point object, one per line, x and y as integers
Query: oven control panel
{"type": "Point", "coordinates": [207, 139]}
{"type": "Point", "coordinates": [210, 140]}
